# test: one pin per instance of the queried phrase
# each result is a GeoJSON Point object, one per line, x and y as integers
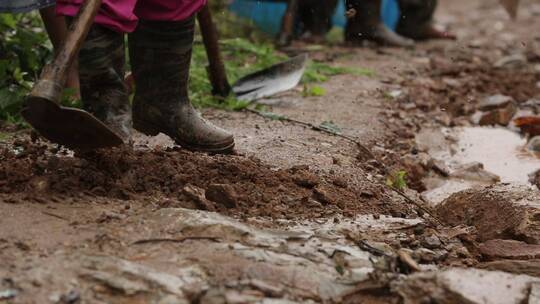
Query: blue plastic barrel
{"type": "Point", "coordinates": [267, 15]}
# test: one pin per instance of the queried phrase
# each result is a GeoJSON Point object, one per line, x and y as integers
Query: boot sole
{"type": "Point", "coordinates": [153, 130]}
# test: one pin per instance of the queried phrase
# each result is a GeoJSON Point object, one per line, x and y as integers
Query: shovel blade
{"type": "Point", "coordinates": [275, 79]}
{"type": "Point", "coordinates": [70, 127]}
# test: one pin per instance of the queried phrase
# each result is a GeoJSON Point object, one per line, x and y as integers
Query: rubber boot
{"type": "Point", "coordinates": [160, 54]}
{"type": "Point", "coordinates": [364, 23]}
{"type": "Point", "coordinates": [315, 19]}
{"type": "Point", "coordinates": [416, 20]}
{"type": "Point", "coordinates": [101, 72]}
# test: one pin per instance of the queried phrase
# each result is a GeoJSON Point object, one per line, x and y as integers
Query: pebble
{"type": "Point", "coordinates": [534, 144]}
{"type": "Point", "coordinates": [431, 242]}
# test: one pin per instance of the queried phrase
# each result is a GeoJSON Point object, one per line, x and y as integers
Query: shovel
{"type": "Point", "coordinates": [275, 79]}
{"type": "Point", "coordinates": [71, 127]}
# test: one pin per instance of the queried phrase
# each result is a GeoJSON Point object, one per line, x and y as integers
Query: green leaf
{"type": "Point", "coordinates": [8, 20]}
{"type": "Point", "coordinates": [397, 180]}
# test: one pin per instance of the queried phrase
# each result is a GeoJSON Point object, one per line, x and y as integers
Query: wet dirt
{"type": "Point", "coordinates": [296, 216]}
{"type": "Point", "coordinates": [232, 185]}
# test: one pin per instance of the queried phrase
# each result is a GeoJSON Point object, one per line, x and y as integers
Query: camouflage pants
{"type": "Point", "coordinates": [102, 68]}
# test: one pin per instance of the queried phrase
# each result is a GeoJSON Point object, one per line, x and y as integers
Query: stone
{"type": "Point", "coordinates": [424, 255]}
{"type": "Point", "coordinates": [500, 116]}
{"type": "Point", "coordinates": [469, 286]}
{"type": "Point", "coordinates": [509, 249]}
{"type": "Point", "coordinates": [495, 102]}
{"type": "Point", "coordinates": [197, 195]}
{"type": "Point", "coordinates": [534, 178]}
{"type": "Point", "coordinates": [475, 172]}
{"type": "Point", "coordinates": [534, 144]}
{"type": "Point", "coordinates": [528, 267]}
{"type": "Point", "coordinates": [431, 242]}
{"type": "Point", "coordinates": [511, 61]}
{"type": "Point", "coordinates": [500, 211]}
{"type": "Point", "coordinates": [222, 194]}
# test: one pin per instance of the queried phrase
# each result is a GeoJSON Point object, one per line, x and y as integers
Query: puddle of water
{"type": "Point", "coordinates": [500, 150]}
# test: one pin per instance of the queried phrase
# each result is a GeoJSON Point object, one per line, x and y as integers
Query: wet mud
{"type": "Point", "coordinates": [232, 185]}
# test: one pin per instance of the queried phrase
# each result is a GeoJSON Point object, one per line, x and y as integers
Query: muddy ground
{"type": "Point", "coordinates": [298, 215]}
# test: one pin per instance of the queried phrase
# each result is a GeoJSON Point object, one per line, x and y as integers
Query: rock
{"type": "Point", "coordinates": [497, 212]}
{"type": "Point", "coordinates": [500, 116]}
{"type": "Point", "coordinates": [528, 267]}
{"type": "Point", "coordinates": [8, 294]}
{"type": "Point", "coordinates": [440, 167]}
{"type": "Point", "coordinates": [72, 297]}
{"type": "Point", "coordinates": [405, 257]}
{"type": "Point", "coordinates": [340, 182]}
{"type": "Point", "coordinates": [475, 172]}
{"type": "Point", "coordinates": [197, 195]}
{"type": "Point", "coordinates": [495, 102]}
{"type": "Point", "coordinates": [534, 296]}
{"type": "Point", "coordinates": [322, 195]}
{"type": "Point", "coordinates": [534, 178]}
{"type": "Point", "coordinates": [431, 242]}
{"type": "Point", "coordinates": [469, 286]}
{"type": "Point", "coordinates": [529, 125]}
{"type": "Point", "coordinates": [222, 194]}
{"type": "Point", "coordinates": [424, 255]}
{"type": "Point", "coordinates": [511, 61]}
{"type": "Point", "coordinates": [130, 278]}
{"type": "Point", "coordinates": [306, 179]}
{"type": "Point", "coordinates": [534, 144]}
{"type": "Point", "coordinates": [509, 249]}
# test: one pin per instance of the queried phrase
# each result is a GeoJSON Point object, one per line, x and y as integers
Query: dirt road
{"type": "Point", "coordinates": [299, 215]}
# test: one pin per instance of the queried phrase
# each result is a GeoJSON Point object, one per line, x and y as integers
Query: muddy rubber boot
{"type": "Point", "coordinates": [101, 72]}
{"type": "Point", "coordinates": [364, 23]}
{"type": "Point", "coordinates": [160, 54]}
{"type": "Point", "coordinates": [416, 20]}
{"type": "Point", "coordinates": [315, 19]}
{"type": "Point", "coordinates": [416, 17]}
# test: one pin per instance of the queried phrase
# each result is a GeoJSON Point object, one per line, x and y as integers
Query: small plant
{"type": "Point", "coordinates": [397, 180]}
{"type": "Point", "coordinates": [313, 91]}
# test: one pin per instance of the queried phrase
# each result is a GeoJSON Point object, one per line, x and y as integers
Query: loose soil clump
{"type": "Point", "coordinates": [233, 185]}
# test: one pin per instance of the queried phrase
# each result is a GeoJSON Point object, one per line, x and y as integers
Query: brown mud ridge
{"type": "Point", "coordinates": [232, 185]}
{"type": "Point", "coordinates": [458, 86]}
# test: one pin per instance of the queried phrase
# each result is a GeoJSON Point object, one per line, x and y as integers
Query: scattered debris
{"type": "Point", "coordinates": [472, 286]}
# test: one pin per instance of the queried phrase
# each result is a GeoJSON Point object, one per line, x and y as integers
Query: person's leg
{"type": "Point", "coordinates": [364, 23]}
{"type": "Point", "coordinates": [160, 54]}
{"type": "Point", "coordinates": [57, 30]}
{"type": "Point", "coordinates": [416, 20]}
{"type": "Point", "coordinates": [315, 17]}
{"type": "Point", "coordinates": [101, 70]}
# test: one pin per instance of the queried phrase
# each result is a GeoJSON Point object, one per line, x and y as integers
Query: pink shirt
{"type": "Point", "coordinates": [122, 15]}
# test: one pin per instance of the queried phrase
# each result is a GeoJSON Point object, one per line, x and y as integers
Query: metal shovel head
{"type": "Point", "coordinates": [275, 79]}
{"type": "Point", "coordinates": [70, 127]}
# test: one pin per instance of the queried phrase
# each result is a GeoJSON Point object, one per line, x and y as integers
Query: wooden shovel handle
{"type": "Point", "coordinates": [216, 68]}
{"type": "Point", "coordinates": [57, 70]}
